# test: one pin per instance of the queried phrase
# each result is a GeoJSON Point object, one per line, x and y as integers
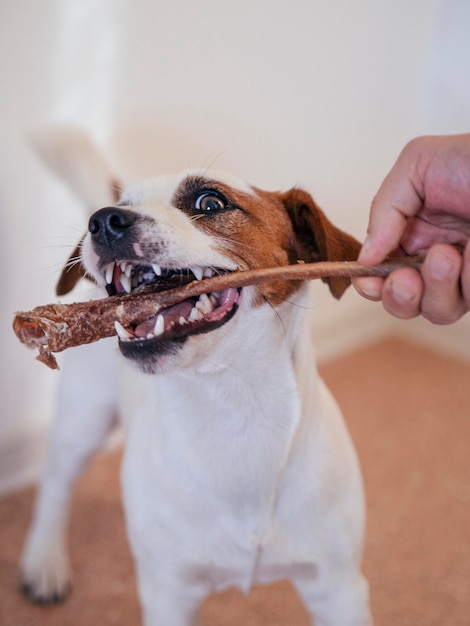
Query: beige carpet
{"type": "Point", "coordinates": [408, 412]}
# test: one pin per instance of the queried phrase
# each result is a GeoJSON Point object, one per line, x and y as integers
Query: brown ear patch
{"type": "Point", "coordinates": [316, 238]}
{"type": "Point", "coordinates": [72, 272]}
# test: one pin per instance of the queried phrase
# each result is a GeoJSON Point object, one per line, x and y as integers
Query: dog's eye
{"type": "Point", "coordinates": [209, 203]}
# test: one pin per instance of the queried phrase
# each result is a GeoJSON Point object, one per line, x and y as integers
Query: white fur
{"type": "Point", "coordinates": [238, 467]}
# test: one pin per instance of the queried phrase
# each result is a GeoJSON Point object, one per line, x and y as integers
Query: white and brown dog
{"type": "Point", "coordinates": [238, 468]}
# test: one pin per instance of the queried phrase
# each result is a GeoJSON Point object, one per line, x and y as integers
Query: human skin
{"type": "Point", "coordinates": [423, 207]}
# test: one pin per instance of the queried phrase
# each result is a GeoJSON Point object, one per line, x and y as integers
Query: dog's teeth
{"type": "Point", "coordinates": [157, 269]}
{"type": "Point", "coordinates": [122, 332]}
{"type": "Point", "coordinates": [182, 321]}
{"type": "Point", "coordinates": [126, 283]}
{"type": "Point", "coordinates": [159, 326]}
{"type": "Point", "coordinates": [208, 272]}
{"type": "Point", "coordinates": [198, 272]}
{"type": "Point", "coordinates": [109, 273]}
{"type": "Point", "coordinates": [213, 300]}
{"type": "Point", "coordinates": [204, 304]}
{"type": "Point", "coordinates": [125, 267]}
{"type": "Point", "coordinates": [195, 315]}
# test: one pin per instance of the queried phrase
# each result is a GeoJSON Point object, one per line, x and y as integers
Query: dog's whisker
{"type": "Point", "coordinates": [203, 170]}
{"type": "Point", "coordinates": [55, 269]}
{"type": "Point", "coordinates": [231, 244]}
{"type": "Point", "coordinates": [278, 316]}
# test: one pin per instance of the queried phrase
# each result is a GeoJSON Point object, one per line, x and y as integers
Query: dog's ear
{"type": "Point", "coordinates": [72, 272]}
{"type": "Point", "coordinates": [316, 238]}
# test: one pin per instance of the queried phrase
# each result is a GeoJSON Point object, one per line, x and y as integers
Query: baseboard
{"type": "Point", "coordinates": [452, 340]}
{"type": "Point", "coordinates": [342, 327]}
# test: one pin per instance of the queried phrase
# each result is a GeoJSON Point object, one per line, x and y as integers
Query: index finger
{"type": "Point", "coordinates": [395, 202]}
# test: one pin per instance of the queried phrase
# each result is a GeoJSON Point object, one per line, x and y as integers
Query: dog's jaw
{"type": "Point", "coordinates": [155, 343]}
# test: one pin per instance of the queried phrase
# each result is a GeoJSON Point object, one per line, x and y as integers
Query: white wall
{"type": "Point", "coordinates": [319, 93]}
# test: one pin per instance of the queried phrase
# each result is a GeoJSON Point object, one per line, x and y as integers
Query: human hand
{"type": "Point", "coordinates": [423, 206]}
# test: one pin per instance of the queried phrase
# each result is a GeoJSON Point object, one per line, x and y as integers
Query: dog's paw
{"type": "Point", "coordinates": [47, 580]}
{"type": "Point", "coordinates": [39, 595]}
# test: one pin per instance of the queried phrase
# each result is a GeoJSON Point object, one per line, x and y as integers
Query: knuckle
{"type": "Point", "coordinates": [439, 314]}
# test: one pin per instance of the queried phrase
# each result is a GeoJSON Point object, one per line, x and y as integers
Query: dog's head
{"type": "Point", "coordinates": [172, 230]}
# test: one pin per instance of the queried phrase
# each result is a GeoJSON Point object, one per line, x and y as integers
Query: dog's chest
{"type": "Point", "coordinates": [204, 466]}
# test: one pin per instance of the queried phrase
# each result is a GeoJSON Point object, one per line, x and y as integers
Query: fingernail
{"type": "Point", "coordinates": [400, 293]}
{"type": "Point", "coordinates": [368, 288]}
{"type": "Point", "coordinates": [440, 266]}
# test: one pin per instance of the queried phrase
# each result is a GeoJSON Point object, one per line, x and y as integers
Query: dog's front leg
{"type": "Point", "coordinates": [341, 600]}
{"type": "Point", "coordinates": [168, 597]}
{"type": "Point", "coordinates": [166, 603]}
{"type": "Point", "coordinates": [84, 415]}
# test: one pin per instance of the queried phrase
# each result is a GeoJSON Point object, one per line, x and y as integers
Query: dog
{"type": "Point", "coordinates": [238, 468]}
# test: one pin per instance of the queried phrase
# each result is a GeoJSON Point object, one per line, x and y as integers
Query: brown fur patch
{"type": "Point", "coordinates": [271, 229]}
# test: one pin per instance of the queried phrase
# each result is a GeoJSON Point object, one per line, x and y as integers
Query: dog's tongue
{"type": "Point", "coordinates": [222, 302]}
{"type": "Point", "coordinates": [172, 314]}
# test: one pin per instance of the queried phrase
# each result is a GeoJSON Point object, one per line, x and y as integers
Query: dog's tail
{"type": "Point", "coordinates": [71, 155]}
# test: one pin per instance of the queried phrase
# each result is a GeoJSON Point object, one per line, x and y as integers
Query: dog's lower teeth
{"type": "Point", "coordinates": [122, 332]}
{"type": "Point", "coordinates": [195, 315]}
{"type": "Point", "coordinates": [204, 304]}
{"type": "Point", "coordinates": [159, 326]}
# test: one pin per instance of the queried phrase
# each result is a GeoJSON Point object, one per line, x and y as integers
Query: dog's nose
{"type": "Point", "coordinates": [110, 224]}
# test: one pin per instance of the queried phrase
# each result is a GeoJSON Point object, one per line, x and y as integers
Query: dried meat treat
{"type": "Point", "coordinates": [55, 327]}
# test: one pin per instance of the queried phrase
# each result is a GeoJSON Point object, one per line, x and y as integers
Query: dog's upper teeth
{"type": "Point", "coordinates": [126, 283]}
{"type": "Point", "coordinates": [109, 273]}
{"type": "Point", "coordinates": [127, 269]}
{"type": "Point", "coordinates": [198, 272]}
{"type": "Point", "coordinates": [131, 277]}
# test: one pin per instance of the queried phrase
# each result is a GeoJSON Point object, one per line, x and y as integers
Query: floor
{"type": "Point", "coordinates": [408, 412]}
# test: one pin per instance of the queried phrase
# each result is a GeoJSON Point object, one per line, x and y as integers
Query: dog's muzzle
{"type": "Point", "coordinates": [115, 233]}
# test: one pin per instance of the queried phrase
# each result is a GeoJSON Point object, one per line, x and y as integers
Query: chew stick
{"type": "Point", "coordinates": [55, 327]}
